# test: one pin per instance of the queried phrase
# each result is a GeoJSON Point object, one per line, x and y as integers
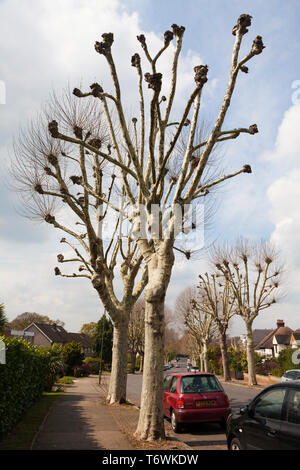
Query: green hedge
{"type": "Point", "coordinates": [27, 373]}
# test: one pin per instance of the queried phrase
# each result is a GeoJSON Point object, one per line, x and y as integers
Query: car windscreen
{"type": "Point", "coordinates": [199, 384]}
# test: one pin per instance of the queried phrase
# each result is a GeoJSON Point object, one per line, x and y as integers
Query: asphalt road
{"type": "Point", "coordinates": [205, 436]}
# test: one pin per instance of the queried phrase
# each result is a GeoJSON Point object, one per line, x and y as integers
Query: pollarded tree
{"type": "Point", "coordinates": [144, 151]}
{"type": "Point", "coordinates": [216, 299]}
{"type": "Point", "coordinates": [253, 274]}
{"type": "Point", "coordinates": [73, 188]}
{"type": "Point", "coordinates": [136, 331]}
{"type": "Point", "coordinates": [202, 327]}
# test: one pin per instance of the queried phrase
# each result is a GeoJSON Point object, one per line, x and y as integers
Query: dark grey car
{"type": "Point", "coordinates": [270, 422]}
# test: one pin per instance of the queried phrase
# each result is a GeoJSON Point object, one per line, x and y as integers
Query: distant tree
{"type": "Point", "coordinates": [136, 332]}
{"type": "Point", "coordinates": [25, 319]}
{"type": "Point", "coordinates": [200, 325]}
{"type": "Point", "coordinates": [3, 319]}
{"type": "Point", "coordinates": [172, 344]}
{"type": "Point", "coordinates": [89, 329]}
{"type": "Point", "coordinates": [216, 299]}
{"type": "Point", "coordinates": [104, 339]}
{"type": "Point", "coordinates": [254, 276]}
{"type": "Point", "coordinates": [72, 356]}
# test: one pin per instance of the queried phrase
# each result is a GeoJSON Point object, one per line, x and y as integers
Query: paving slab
{"type": "Point", "coordinates": [79, 420]}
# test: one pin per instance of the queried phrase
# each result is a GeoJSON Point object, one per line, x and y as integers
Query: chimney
{"type": "Point", "coordinates": [280, 323]}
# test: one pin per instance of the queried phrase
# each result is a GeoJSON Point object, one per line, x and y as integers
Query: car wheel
{"type": "Point", "coordinates": [174, 423]}
{"type": "Point", "coordinates": [235, 444]}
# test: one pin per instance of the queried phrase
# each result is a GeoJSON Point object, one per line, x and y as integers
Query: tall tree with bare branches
{"type": "Point", "coordinates": [217, 300]}
{"type": "Point", "coordinates": [136, 331]}
{"type": "Point", "coordinates": [142, 153]}
{"type": "Point", "coordinates": [202, 327]}
{"type": "Point", "coordinates": [253, 273]}
{"type": "Point", "coordinates": [72, 188]}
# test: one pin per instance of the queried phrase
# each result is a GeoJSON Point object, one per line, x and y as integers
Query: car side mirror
{"type": "Point", "coordinates": [244, 409]}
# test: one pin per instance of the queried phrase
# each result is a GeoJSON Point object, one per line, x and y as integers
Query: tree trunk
{"type": "Point", "coordinates": [141, 363]}
{"type": "Point", "coordinates": [133, 361]}
{"type": "Point", "coordinates": [225, 361]}
{"type": "Point", "coordinates": [151, 420]}
{"type": "Point", "coordinates": [118, 377]}
{"type": "Point", "coordinates": [250, 355]}
{"type": "Point", "coordinates": [205, 358]}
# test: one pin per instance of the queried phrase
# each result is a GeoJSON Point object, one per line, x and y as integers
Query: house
{"type": "Point", "coordinates": [257, 335]}
{"type": "Point", "coordinates": [27, 336]}
{"type": "Point", "coordinates": [277, 340]}
{"type": "Point", "coordinates": [295, 339]}
{"type": "Point", "coordinates": [46, 335]}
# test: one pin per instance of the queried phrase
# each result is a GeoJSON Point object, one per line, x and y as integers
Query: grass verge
{"type": "Point", "coordinates": [23, 434]}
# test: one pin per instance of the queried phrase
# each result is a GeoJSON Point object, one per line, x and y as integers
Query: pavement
{"type": "Point", "coordinates": [80, 420]}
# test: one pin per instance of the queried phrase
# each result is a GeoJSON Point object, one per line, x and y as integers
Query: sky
{"type": "Point", "coordinates": [46, 44]}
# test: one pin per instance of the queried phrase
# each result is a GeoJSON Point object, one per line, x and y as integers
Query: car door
{"type": "Point", "coordinates": [171, 396]}
{"type": "Point", "coordinates": [262, 426]}
{"type": "Point", "coordinates": [166, 384]}
{"type": "Point", "coordinates": [290, 430]}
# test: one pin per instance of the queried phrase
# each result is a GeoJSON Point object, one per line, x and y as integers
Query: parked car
{"type": "Point", "coordinates": [270, 422]}
{"type": "Point", "coordinates": [289, 375]}
{"type": "Point", "coordinates": [194, 398]}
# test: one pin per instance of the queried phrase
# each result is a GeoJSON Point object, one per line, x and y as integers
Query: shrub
{"type": "Point", "coordinates": [267, 367]}
{"type": "Point", "coordinates": [27, 373]}
{"type": "Point", "coordinates": [72, 357]}
{"type": "Point", "coordinates": [277, 372]}
{"type": "Point", "coordinates": [215, 360]}
{"type": "Point", "coordinates": [94, 363]}
{"type": "Point", "coordinates": [82, 371]}
{"type": "Point", "coordinates": [285, 360]}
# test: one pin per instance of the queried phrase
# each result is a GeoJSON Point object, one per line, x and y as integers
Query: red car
{"type": "Point", "coordinates": [194, 398]}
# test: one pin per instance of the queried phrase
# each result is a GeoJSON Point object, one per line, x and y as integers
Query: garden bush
{"type": "Point", "coordinates": [267, 367]}
{"type": "Point", "coordinates": [28, 372]}
{"type": "Point", "coordinates": [72, 357]}
{"type": "Point", "coordinates": [94, 363]}
{"type": "Point", "coordinates": [285, 360]}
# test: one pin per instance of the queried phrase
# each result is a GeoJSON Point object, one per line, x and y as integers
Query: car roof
{"type": "Point", "coordinates": [184, 374]}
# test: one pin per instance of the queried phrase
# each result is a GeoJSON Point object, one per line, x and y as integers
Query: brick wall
{"type": "Point", "coordinates": [263, 379]}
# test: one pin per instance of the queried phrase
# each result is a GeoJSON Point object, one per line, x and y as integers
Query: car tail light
{"type": "Point", "coordinates": [180, 403]}
{"type": "Point", "coordinates": [227, 402]}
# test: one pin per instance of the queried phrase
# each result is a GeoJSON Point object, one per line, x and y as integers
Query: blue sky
{"type": "Point", "coordinates": [46, 43]}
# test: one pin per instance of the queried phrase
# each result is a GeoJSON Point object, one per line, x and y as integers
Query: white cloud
{"type": "Point", "coordinates": [283, 196]}
{"type": "Point", "coordinates": [43, 46]}
{"type": "Point", "coordinates": [287, 145]}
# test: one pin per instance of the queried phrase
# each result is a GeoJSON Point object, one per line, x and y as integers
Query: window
{"type": "Point", "coordinates": [173, 385]}
{"type": "Point", "coordinates": [291, 374]}
{"type": "Point", "coordinates": [166, 382]}
{"type": "Point", "coordinates": [269, 405]}
{"type": "Point", "coordinates": [294, 407]}
{"type": "Point", "coordinates": [199, 384]}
